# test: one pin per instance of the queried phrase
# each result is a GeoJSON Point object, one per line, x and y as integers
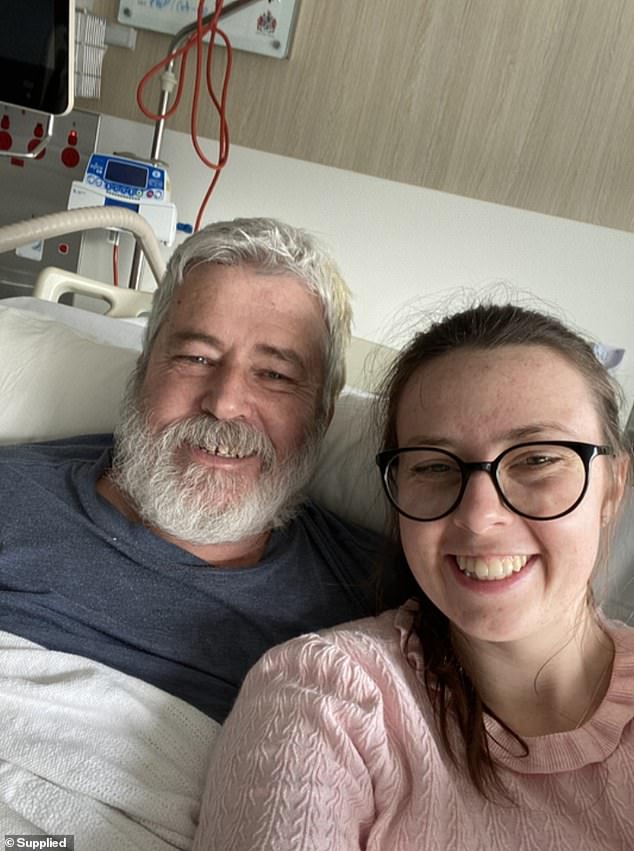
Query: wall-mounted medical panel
{"type": "Point", "coordinates": [36, 187]}
{"type": "Point", "coordinates": [264, 27]}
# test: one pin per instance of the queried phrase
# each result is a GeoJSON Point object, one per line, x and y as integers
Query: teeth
{"type": "Point", "coordinates": [222, 452]}
{"type": "Point", "coordinates": [491, 568]}
{"type": "Point", "coordinates": [225, 452]}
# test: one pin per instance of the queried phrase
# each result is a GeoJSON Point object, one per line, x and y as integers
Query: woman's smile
{"type": "Point", "coordinates": [490, 568]}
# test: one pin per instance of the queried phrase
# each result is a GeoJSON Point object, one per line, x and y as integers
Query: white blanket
{"type": "Point", "coordinates": [86, 750]}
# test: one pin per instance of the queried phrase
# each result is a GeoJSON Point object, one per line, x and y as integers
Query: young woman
{"type": "Point", "coordinates": [496, 710]}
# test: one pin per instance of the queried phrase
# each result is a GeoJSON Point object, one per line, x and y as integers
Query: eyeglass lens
{"type": "Point", "coordinates": [540, 481]}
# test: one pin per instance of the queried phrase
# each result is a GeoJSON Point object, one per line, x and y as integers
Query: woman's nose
{"type": "Point", "coordinates": [481, 506]}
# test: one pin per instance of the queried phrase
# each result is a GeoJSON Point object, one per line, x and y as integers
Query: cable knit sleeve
{"type": "Point", "coordinates": [290, 771]}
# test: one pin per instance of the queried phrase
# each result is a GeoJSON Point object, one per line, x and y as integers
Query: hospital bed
{"type": "Point", "coordinates": [117, 760]}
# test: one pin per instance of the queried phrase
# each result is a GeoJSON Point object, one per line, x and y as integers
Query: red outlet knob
{"type": "Point", "coordinates": [70, 157]}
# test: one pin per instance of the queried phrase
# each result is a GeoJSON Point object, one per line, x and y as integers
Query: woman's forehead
{"type": "Point", "coordinates": [504, 389]}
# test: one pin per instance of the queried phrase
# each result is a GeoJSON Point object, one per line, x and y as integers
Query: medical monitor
{"type": "Point", "coordinates": [37, 54]}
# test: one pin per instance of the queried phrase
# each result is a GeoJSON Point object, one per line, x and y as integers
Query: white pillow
{"type": "Point", "coordinates": [58, 382]}
{"type": "Point", "coordinates": [54, 381]}
{"type": "Point", "coordinates": [347, 480]}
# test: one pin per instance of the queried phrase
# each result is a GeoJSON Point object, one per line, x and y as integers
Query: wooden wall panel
{"type": "Point", "coordinates": [522, 102]}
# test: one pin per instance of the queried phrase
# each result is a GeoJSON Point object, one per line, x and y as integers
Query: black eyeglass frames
{"type": "Point", "coordinates": [539, 480]}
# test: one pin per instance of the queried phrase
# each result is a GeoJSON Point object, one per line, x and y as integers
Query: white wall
{"type": "Point", "coordinates": [398, 243]}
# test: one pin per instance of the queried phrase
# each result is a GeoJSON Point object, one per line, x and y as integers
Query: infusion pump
{"type": "Point", "coordinates": [112, 180]}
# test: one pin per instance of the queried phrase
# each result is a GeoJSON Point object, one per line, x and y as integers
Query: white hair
{"type": "Point", "coordinates": [271, 247]}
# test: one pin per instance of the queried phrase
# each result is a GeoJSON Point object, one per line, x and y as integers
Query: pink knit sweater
{"type": "Point", "coordinates": [332, 747]}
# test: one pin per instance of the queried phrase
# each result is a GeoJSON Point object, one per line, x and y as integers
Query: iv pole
{"type": "Point", "coordinates": [136, 268]}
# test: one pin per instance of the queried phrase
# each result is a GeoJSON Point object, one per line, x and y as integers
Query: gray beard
{"type": "Point", "coordinates": [195, 503]}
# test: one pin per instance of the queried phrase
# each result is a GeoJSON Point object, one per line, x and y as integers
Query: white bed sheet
{"type": "Point", "coordinates": [90, 751]}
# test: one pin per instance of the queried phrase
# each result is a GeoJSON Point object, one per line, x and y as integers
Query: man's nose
{"type": "Point", "coordinates": [481, 506]}
{"type": "Point", "coordinates": [228, 394]}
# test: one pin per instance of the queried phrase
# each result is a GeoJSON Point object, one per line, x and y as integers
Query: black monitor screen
{"type": "Point", "coordinates": [131, 175]}
{"type": "Point", "coordinates": [35, 54]}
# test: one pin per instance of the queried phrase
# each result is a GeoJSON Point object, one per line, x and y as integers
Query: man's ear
{"type": "Point", "coordinates": [330, 412]}
{"type": "Point", "coordinates": [616, 489]}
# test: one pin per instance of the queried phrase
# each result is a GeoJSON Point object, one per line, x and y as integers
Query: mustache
{"type": "Point", "coordinates": [225, 437]}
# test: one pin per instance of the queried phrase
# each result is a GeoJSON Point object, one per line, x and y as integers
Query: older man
{"type": "Point", "coordinates": [183, 549]}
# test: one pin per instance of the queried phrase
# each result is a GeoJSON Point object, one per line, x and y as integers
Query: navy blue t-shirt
{"type": "Point", "coordinates": [77, 576]}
